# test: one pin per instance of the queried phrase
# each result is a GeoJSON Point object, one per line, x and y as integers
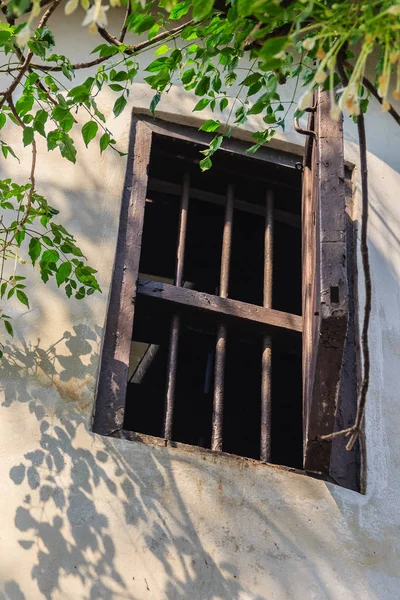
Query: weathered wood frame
{"type": "Point", "coordinates": [325, 289]}
{"type": "Point", "coordinates": [112, 384]}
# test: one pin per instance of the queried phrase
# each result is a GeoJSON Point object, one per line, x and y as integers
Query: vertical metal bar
{"type": "Point", "coordinates": [226, 243]}
{"type": "Point", "coordinates": [180, 255]}
{"type": "Point", "coordinates": [175, 327]}
{"type": "Point", "coordinates": [265, 443]}
{"type": "Point", "coordinates": [220, 349]}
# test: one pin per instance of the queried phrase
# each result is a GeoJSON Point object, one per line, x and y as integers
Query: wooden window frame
{"type": "Point", "coordinates": [325, 315]}
{"type": "Point", "coordinates": [330, 350]}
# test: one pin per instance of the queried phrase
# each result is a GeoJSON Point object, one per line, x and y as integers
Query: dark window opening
{"type": "Point", "coordinates": [218, 313]}
{"type": "Point", "coordinates": [194, 387]}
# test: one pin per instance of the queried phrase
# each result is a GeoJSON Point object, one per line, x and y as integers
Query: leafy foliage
{"type": "Point", "coordinates": [200, 44]}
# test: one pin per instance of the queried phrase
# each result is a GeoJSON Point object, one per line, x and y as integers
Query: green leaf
{"type": "Point", "coordinates": [24, 104]}
{"type": "Point", "coordinates": [50, 256]}
{"type": "Point", "coordinates": [8, 327]}
{"type": "Point", "coordinates": [364, 104]}
{"type": "Point", "coordinates": [273, 46]}
{"type": "Point", "coordinates": [108, 50]}
{"type": "Point", "coordinates": [188, 76]}
{"type": "Point", "coordinates": [118, 76]}
{"type": "Point", "coordinates": [4, 36]}
{"type": "Point", "coordinates": [20, 236]}
{"type": "Point", "coordinates": [202, 8]}
{"type": "Point", "coordinates": [156, 65]}
{"type": "Point", "coordinates": [202, 87]}
{"type": "Point", "coordinates": [230, 79]}
{"type": "Point", "coordinates": [28, 135]}
{"type": "Point", "coordinates": [85, 275]}
{"type": "Point", "coordinates": [223, 104]}
{"type": "Point", "coordinates": [145, 24]}
{"type": "Point", "coordinates": [104, 141]}
{"type": "Point", "coordinates": [154, 101]}
{"type": "Point", "coordinates": [202, 104]}
{"type": "Point", "coordinates": [64, 117]}
{"type": "Point", "coordinates": [67, 148]}
{"type": "Point", "coordinates": [217, 83]}
{"type": "Point", "coordinates": [116, 87]}
{"type": "Point", "coordinates": [153, 31]}
{"type": "Point", "coordinates": [64, 271]}
{"type": "Point", "coordinates": [3, 119]}
{"type": "Point", "coordinates": [39, 122]}
{"type": "Point", "coordinates": [70, 248]}
{"type": "Point", "coordinates": [210, 125]}
{"type": "Point", "coordinates": [251, 79]}
{"type": "Point", "coordinates": [205, 164]}
{"type": "Point", "coordinates": [119, 105]}
{"type": "Point", "coordinates": [161, 50]}
{"type": "Point", "coordinates": [23, 298]}
{"type": "Point", "coordinates": [89, 131]}
{"type": "Point", "coordinates": [68, 290]}
{"type": "Point", "coordinates": [180, 10]}
{"type": "Point", "coordinates": [216, 143]}
{"type": "Point", "coordinates": [35, 249]}
{"type": "Point", "coordinates": [80, 294]}
{"type": "Point", "coordinates": [3, 288]}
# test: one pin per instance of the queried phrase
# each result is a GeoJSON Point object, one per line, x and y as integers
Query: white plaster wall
{"type": "Point", "coordinates": [85, 517]}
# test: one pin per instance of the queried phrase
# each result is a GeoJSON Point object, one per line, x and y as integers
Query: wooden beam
{"type": "Point", "coordinates": [266, 154]}
{"type": "Point", "coordinates": [113, 378]}
{"type": "Point", "coordinates": [325, 275]}
{"type": "Point", "coordinates": [268, 318]}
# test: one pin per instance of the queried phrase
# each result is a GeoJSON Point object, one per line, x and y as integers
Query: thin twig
{"type": "Point", "coordinates": [130, 50]}
{"type": "Point", "coordinates": [125, 25]}
{"type": "Point", "coordinates": [38, 83]}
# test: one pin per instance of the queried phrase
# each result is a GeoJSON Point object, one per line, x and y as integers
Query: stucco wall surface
{"type": "Point", "coordinates": [87, 517]}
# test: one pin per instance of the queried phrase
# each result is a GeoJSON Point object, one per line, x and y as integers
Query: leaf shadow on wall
{"type": "Point", "coordinates": [63, 520]}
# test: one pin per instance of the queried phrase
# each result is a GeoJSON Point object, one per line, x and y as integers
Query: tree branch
{"type": "Point", "coordinates": [7, 95]}
{"type": "Point", "coordinates": [155, 40]}
{"type": "Point", "coordinates": [125, 26]}
{"type": "Point", "coordinates": [130, 50]}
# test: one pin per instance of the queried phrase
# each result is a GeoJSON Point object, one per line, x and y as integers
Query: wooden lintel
{"type": "Point", "coordinates": [266, 154]}
{"type": "Point", "coordinates": [225, 307]}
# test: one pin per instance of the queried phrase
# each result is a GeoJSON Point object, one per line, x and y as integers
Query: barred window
{"type": "Point", "coordinates": [204, 342]}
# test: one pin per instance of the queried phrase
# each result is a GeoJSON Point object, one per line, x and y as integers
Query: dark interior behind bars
{"type": "Point", "coordinates": [193, 407]}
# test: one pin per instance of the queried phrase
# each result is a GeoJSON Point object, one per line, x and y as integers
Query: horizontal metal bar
{"type": "Point", "coordinates": [268, 317]}
{"type": "Point", "coordinates": [157, 185]}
